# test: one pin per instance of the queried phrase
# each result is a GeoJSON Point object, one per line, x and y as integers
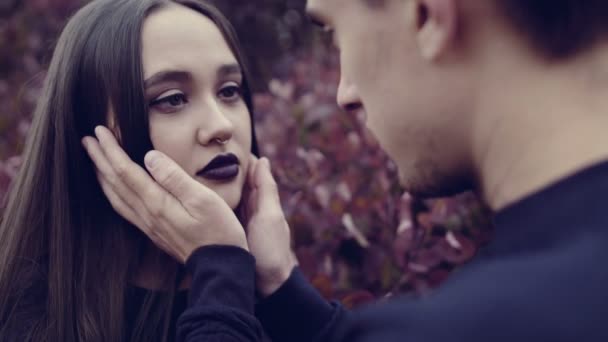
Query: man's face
{"type": "Point", "coordinates": [413, 105]}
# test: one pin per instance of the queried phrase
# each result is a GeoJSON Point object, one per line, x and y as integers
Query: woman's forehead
{"type": "Point", "coordinates": [178, 38]}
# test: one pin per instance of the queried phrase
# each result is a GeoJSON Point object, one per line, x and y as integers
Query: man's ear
{"type": "Point", "coordinates": [435, 23]}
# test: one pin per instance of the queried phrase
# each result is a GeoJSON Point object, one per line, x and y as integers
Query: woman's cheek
{"type": "Point", "coordinates": [169, 138]}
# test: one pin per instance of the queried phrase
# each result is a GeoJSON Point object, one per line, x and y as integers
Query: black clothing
{"type": "Point", "coordinates": [543, 278]}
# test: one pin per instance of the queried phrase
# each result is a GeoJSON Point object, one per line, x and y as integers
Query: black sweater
{"type": "Point", "coordinates": [543, 278]}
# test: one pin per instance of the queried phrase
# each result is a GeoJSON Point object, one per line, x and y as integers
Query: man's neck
{"type": "Point", "coordinates": [537, 126]}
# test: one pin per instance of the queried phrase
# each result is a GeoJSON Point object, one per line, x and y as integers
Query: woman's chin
{"type": "Point", "coordinates": [230, 191]}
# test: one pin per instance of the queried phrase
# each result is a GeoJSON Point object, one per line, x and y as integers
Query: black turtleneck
{"type": "Point", "coordinates": [543, 278]}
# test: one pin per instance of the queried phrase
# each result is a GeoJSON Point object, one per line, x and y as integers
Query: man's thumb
{"type": "Point", "coordinates": [268, 192]}
{"type": "Point", "coordinates": [169, 175]}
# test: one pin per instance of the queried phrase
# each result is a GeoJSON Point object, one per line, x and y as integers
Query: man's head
{"type": "Point", "coordinates": [416, 67]}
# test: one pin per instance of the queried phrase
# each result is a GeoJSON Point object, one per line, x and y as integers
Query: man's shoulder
{"type": "Point", "coordinates": [557, 294]}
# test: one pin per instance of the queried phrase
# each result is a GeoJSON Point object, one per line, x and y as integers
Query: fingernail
{"type": "Point", "coordinates": [84, 143]}
{"type": "Point", "coordinates": [151, 159]}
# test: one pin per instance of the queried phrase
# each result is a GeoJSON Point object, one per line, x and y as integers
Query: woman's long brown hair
{"type": "Point", "coordinates": [65, 256]}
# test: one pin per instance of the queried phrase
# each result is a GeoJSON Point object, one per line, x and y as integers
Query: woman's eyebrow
{"type": "Point", "coordinates": [228, 70]}
{"type": "Point", "coordinates": [167, 76]}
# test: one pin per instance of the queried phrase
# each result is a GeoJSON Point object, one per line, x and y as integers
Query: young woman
{"type": "Point", "coordinates": [164, 75]}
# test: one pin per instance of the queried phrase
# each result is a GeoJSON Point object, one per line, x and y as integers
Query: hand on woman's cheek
{"type": "Point", "coordinates": [268, 234]}
{"type": "Point", "coordinates": [176, 212]}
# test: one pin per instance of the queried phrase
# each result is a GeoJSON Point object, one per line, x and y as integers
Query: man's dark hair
{"type": "Point", "coordinates": [558, 28]}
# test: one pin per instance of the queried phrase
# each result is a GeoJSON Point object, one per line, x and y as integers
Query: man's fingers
{"type": "Point", "coordinates": [127, 179]}
{"type": "Point", "coordinates": [268, 192]}
{"type": "Point", "coordinates": [159, 203]}
{"type": "Point", "coordinates": [130, 214]}
{"type": "Point", "coordinates": [98, 157]}
{"type": "Point", "coordinates": [121, 207]}
{"type": "Point", "coordinates": [249, 191]}
{"type": "Point", "coordinates": [252, 201]}
{"type": "Point", "coordinates": [127, 170]}
{"type": "Point", "coordinates": [175, 180]}
{"type": "Point", "coordinates": [112, 184]}
{"type": "Point", "coordinates": [245, 208]}
{"type": "Point", "coordinates": [157, 200]}
{"type": "Point", "coordinates": [253, 161]}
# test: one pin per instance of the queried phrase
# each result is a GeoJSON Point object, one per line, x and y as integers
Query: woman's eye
{"type": "Point", "coordinates": [170, 103]}
{"type": "Point", "coordinates": [230, 92]}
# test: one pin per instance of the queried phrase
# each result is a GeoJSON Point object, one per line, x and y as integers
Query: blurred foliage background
{"type": "Point", "coordinates": [357, 235]}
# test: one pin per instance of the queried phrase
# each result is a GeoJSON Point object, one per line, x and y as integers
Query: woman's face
{"type": "Point", "coordinates": [193, 86]}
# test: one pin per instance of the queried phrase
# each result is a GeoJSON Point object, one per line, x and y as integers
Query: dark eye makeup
{"type": "Point", "coordinates": [230, 92]}
{"type": "Point", "coordinates": [170, 103]}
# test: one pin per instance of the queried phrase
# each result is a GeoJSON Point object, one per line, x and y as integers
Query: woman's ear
{"type": "Point", "coordinates": [435, 24]}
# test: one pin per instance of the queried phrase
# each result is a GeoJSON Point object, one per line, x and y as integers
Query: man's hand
{"type": "Point", "coordinates": [175, 211]}
{"type": "Point", "coordinates": [268, 233]}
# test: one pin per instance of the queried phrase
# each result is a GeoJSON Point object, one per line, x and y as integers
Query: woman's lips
{"type": "Point", "coordinates": [224, 173]}
{"type": "Point", "coordinates": [222, 168]}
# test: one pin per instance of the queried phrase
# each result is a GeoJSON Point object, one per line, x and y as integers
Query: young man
{"type": "Point", "coordinates": [505, 97]}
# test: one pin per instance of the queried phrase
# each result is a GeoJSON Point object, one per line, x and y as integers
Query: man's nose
{"type": "Point", "coordinates": [348, 96]}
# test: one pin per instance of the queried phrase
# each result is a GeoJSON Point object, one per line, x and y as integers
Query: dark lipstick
{"type": "Point", "coordinates": [222, 168]}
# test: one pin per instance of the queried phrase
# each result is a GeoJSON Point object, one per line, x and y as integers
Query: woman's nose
{"type": "Point", "coordinates": [216, 128]}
